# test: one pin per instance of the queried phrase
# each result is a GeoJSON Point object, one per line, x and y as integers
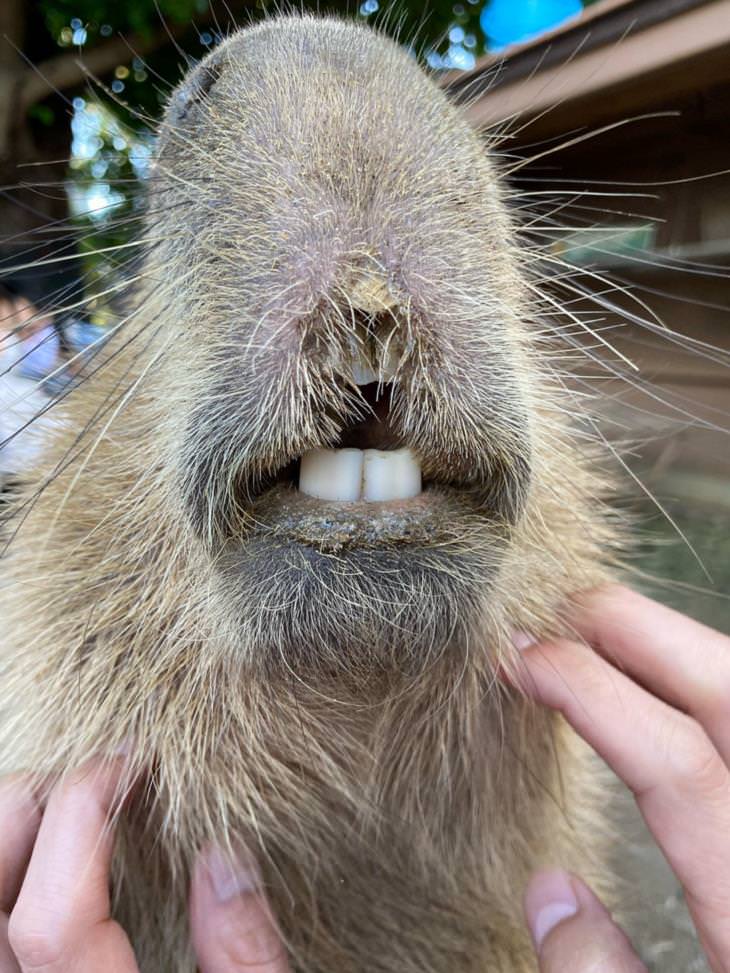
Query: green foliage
{"type": "Point", "coordinates": [134, 16]}
{"type": "Point", "coordinates": [106, 191]}
{"type": "Point", "coordinates": [43, 114]}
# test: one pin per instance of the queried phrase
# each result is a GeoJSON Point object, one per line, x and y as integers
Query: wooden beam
{"type": "Point", "coordinates": [685, 52]}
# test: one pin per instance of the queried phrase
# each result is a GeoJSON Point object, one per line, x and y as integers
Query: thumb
{"type": "Point", "coordinates": [572, 931]}
{"type": "Point", "coordinates": [232, 928]}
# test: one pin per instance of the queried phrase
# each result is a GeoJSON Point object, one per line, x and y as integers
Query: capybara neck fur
{"type": "Point", "coordinates": [317, 683]}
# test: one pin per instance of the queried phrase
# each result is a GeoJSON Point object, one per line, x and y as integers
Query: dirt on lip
{"type": "Point", "coordinates": [336, 527]}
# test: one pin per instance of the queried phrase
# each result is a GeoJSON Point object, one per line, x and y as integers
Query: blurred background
{"type": "Point", "coordinates": [611, 121]}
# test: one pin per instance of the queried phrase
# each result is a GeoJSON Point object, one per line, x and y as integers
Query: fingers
{"type": "Point", "coordinates": [232, 928]}
{"type": "Point", "coordinates": [681, 783]}
{"type": "Point", "coordinates": [60, 920]}
{"type": "Point", "coordinates": [58, 868]}
{"type": "Point", "coordinates": [20, 818]}
{"type": "Point", "coordinates": [685, 663]}
{"type": "Point", "coordinates": [571, 929]}
{"type": "Point", "coordinates": [7, 959]}
{"type": "Point", "coordinates": [647, 742]}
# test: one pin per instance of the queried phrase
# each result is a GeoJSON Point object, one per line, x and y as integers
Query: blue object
{"type": "Point", "coordinates": [506, 22]}
{"type": "Point", "coordinates": [81, 335]}
{"type": "Point", "coordinates": [36, 356]}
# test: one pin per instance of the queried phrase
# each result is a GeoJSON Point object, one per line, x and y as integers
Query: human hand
{"type": "Point", "coordinates": [54, 888]}
{"type": "Point", "coordinates": [654, 701]}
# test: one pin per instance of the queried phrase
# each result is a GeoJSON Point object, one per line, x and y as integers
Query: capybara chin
{"type": "Point", "coordinates": [293, 511]}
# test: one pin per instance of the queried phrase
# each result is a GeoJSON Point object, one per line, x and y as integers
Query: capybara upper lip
{"type": "Point", "coordinates": [370, 462]}
{"type": "Point", "coordinates": [370, 459]}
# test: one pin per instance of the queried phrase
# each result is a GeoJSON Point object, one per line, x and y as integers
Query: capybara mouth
{"type": "Point", "coordinates": [382, 526]}
{"type": "Point", "coordinates": [365, 489]}
{"type": "Point", "coordinates": [367, 442]}
{"type": "Point", "coordinates": [351, 431]}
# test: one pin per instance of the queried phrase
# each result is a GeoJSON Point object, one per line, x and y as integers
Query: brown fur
{"type": "Point", "coordinates": [329, 701]}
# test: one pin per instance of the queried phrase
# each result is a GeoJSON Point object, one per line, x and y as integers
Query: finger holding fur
{"type": "Point", "coordinates": [20, 818]}
{"type": "Point", "coordinates": [65, 893]}
{"type": "Point", "coordinates": [572, 931]}
{"type": "Point", "coordinates": [231, 923]}
{"type": "Point", "coordinates": [681, 784]}
{"type": "Point", "coordinates": [680, 660]}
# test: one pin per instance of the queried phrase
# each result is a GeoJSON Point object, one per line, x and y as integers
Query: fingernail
{"type": "Point", "coordinates": [522, 641]}
{"type": "Point", "coordinates": [550, 899]}
{"type": "Point", "coordinates": [231, 877]}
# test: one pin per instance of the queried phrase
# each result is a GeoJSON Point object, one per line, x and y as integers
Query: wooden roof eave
{"type": "Point", "coordinates": [612, 61]}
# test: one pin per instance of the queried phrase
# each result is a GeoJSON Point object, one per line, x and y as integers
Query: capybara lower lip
{"type": "Point", "coordinates": [427, 518]}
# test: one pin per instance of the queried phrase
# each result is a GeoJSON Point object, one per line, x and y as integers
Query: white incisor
{"type": "Point", "coordinates": [356, 474]}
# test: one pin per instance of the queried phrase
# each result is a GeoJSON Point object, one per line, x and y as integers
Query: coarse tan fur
{"type": "Point", "coordinates": [285, 679]}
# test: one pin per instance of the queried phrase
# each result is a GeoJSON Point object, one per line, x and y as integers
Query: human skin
{"type": "Point", "coordinates": [646, 687]}
{"type": "Point", "coordinates": [20, 317]}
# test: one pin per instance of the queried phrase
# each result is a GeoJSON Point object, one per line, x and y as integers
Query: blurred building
{"type": "Point", "coordinates": [613, 126]}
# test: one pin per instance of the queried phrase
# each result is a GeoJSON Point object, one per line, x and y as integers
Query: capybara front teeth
{"type": "Point", "coordinates": [376, 475]}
